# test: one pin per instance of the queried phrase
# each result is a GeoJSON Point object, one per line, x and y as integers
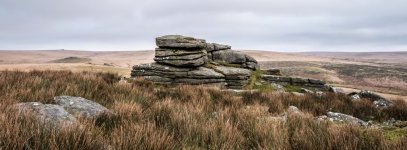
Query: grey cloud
{"type": "Point", "coordinates": [287, 25]}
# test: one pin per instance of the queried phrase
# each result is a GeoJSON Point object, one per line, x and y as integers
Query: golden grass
{"type": "Point", "coordinates": [150, 116]}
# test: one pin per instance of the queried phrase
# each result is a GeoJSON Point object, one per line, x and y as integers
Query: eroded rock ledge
{"type": "Point", "coordinates": [187, 60]}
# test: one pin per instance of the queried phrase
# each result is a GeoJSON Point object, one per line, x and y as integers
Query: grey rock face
{"type": "Point", "coordinates": [236, 78]}
{"type": "Point", "coordinates": [232, 71]}
{"type": "Point", "coordinates": [229, 56]}
{"type": "Point", "coordinates": [179, 41]}
{"type": "Point", "coordinates": [81, 107]}
{"type": "Point", "coordinates": [169, 74]}
{"type": "Point", "coordinates": [203, 73]}
{"type": "Point", "coordinates": [165, 52]}
{"type": "Point", "coordinates": [216, 47]}
{"type": "Point", "coordinates": [182, 59]}
{"type": "Point", "coordinates": [50, 115]}
{"type": "Point", "coordinates": [339, 117]}
{"type": "Point", "coordinates": [181, 51]}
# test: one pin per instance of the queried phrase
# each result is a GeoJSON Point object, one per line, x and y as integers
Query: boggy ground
{"type": "Point", "coordinates": [150, 116]}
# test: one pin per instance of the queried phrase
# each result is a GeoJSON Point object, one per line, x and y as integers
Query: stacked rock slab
{"type": "Point", "coordinates": [223, 54]}
{"type": "Point", "coordinates": [187, 60]}
{"type": "Point", "coordinates": [296, 81]}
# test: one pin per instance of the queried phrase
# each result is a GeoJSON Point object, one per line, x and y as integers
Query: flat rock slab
{"type": "Point", "coordinates": [232, 71]}
{"type": "Point", "coordinates": [81, 107]}
{"type": "Point", "coordinates": [164, 52]}
{"type": "Point", "coordinates": [52, 115]}
{"type": "Point", "coordinates": [160, 67]}
{"type": "Point", "coordinates": [179, 41]}
{"type": "Point", "coordinates": [203, 72]}
{"type": "Point", "coordinates": [185, 61]}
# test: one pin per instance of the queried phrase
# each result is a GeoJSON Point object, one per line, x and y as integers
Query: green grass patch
{"type": "Point", "coordinates": [256, 78]}
{"type": "Point", "coordinates": [393, 134]}
{"type": "Point", "coordinates": [292, 88]}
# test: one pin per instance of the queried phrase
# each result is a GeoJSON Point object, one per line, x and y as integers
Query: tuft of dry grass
{"type": "Point", "coordinates": [150, 116]}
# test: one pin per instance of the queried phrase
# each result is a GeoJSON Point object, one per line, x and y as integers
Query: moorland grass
{"type": "Point", "coordinates": [150, 116]}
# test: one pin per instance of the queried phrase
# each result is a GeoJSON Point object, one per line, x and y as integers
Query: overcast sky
{"type": "Point", "coordinates": [279, 25]}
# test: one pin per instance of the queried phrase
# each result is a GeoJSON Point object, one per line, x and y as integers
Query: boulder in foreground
{"type": "Point", "coordinates": [81, 107]}
{"type": "Point", "coordinates": [50, 115]}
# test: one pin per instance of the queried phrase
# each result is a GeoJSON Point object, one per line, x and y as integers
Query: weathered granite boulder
{"type": "Point", "coordinates": [52, 116]}
{"type": "Point", "coordinates": [216, 47]}
{"type": "Point", "coordinates": [296, 81]}
{"type": "Point", "coordinates": [81, 107]}
{"type": "Point", "coordinates": [339, 117]}
{"type": "Point", "coordinates": [194, 60]}
{"type": "Point", "coordinates": [233, 57]}
{"type": "Point", "coordinates": [236, 78]}
{"type": "Point", "coordinates": [169, 74]}
{"type": "Point", "coordinates": [181, 51]}
{"type": "Point", "coordinates": [179, 41]}
{"type": "Point", "coordinates": [187, 60]}
{"type": "Point", "coordinates": [228, 56]}
{"type": "Point", "coordinates": [166, 52]}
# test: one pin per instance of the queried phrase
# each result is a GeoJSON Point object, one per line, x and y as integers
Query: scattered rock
{"type": "Point", "coordinates": [304, 90]}
{"type": "Point", "coordinates": [305, 83]}
{"type": "Point", "coordinates": [377, 100]}
{"type": "Point", "coordinates": [336, 90]}
{"type": "Point", "coordinates": [50, 115]}
{"type": "Point", "coordinates": [319, 93]}
{"type": "Point", "coordinates": [81, 107]}
{"type": "Point", "coordinates": [297, 94]}
{"type": "Point", "coordinates": [339, 117]}
{"type": "Point", "coordinates": [293, 110]}
{"type": "Point", "coordinates": [355, 97]}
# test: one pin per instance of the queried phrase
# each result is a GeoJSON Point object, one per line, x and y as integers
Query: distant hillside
{"type": "Point", "coordinates": [71, 60]}
{"type": "Point", "coordinates": [377, 57]}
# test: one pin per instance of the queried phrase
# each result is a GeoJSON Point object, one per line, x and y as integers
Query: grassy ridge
{"type": "Point", "coordinates": [150, 116]}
